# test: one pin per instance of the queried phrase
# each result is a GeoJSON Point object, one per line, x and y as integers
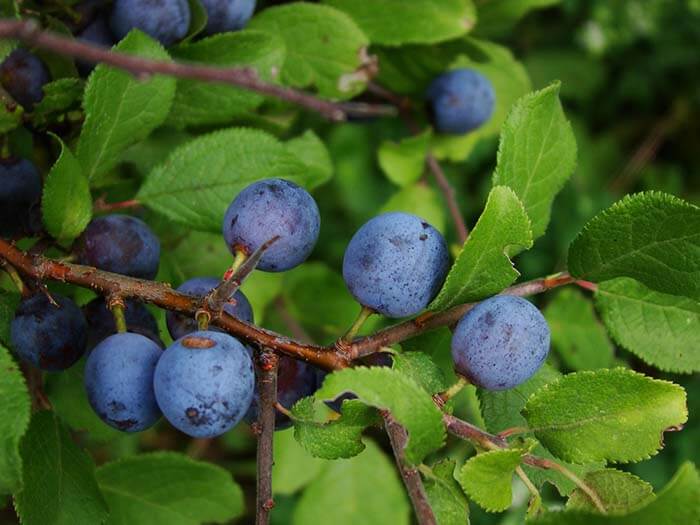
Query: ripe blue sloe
{"type": "Point", "coordinates": [23, 76]}
{"type": "Point", "coordinates": [395, 264]}
{"type": "Point", "coordinates": [500, 343]}
{"type": "Point", "coordinates": [119, 381]}
{"type": "Point", "coordinates": [460, 101]}
{"type": "Point", "coordinates": [47, 336]}
{"type": "Point", "coordinates": [180, 325]}
{"type": "Point", "coordinates": [204, 383]}
{"type": "Point", "coordinates": [97, 32]}
{"type": "Point", "coordinates": [165, 20]}
{"type": "Point", "coordinates": [120, 244]}
{"type": "Point", "coordinates": [227, 15]}
{"type": "Point", "coordinates": [20, 198]}
{"type": "Point", "coordinates": [101, 323]}
{"type": "Point", "coordinates": [269, 208]}
{"type": "Point", "coordinates": [295, 379]}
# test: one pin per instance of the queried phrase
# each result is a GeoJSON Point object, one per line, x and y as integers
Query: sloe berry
{"type": "Point", "coordinates": [227, 15]}
{"type": "Point", "coordinates": [295, 379]}
{"type": "Point", "coordinates": [23, 76]}
{"type": "Point", "coordinates": [20, 198]}
{"type": "Point", "coordinates": [460, 101]}
{"type": "Point", "coordinates": [49, 337]}
{"type": "Point", "coordinates": [120, 244]}
{"type": "Point", "coordinates": [500, 343]}
{"type": "Point", "coordinates": [119, 381]}
{"type": "Point", "coordinates": [204, 383]}
{"type": "Point", "coordinates": [165, 20]}
{"type": "Point", "coordinates": [180, 325]}
{"type": "Point", "coordinates": [395, 264]}
{"type": "Point", "coordinates": [269, 208]}
{"type": "Point", "coordinates": [97, 32]}
{"type": "Point", "coordinates": [101, 323]}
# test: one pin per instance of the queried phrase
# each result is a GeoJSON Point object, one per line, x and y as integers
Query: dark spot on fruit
{"type": "Point", "coordinates": [124, 424]}
{"type": "Point", "coordinates": [423, 237]}
{"type": "Point", "coordinates": [116, 406]}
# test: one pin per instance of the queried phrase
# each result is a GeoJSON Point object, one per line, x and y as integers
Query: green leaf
{"type": "Point", "coordinates": [340, 438]}
{"type": "Point", "coordinates": [660, 329]}
{"type": "Point", "coordinates": [619, 492]}
{"type": "Point", "coordinates": [498, 16]}
{"type": "Point", "coordinates": [324, 319]}
{"type": "Point", "coordinates": [501, 410]}
{"type": "Point", "coordinates": [325, 48]}
{"type": "Point", "coordinates": [365, 489]}
{"type": "Point", "coordinates": [14, 418]}
{"type": "Point", "coordinates": [536, 154]}
{"type": "Point", "coordinates": [294, 467]}
{"type": "Point", "coordinates": [445, 495]}
{"type": "Point", "coordinates": [201, 178]}
{"type": "Point", "coordinates": [403, 162]}
{"type": "Point", "coordinates": [8, 304]}
{"type": "Point", "coordinates": [421, 368]}
{"type": "Point", "coordinates": [121, 110]}
{"type": "Point", "coordinates": [66, 203]}
{"type": "Point", "coordinates": [59, 96]}
{"type": "Point", "coordinates": [615, 415]}
{"type": "Point", "coordinates": [419, 199]}
{"type": "Point", "coordinates": [59, 478]}
{"type": "Point", "coordinates": [397, 22]}
{"type": "Point", "coordinates": [577, 335]}
{"type": "Point", "coordinates": [652, 237]}
{"type": "Point", "coordinates": [261, 289]}
{"type": "Point", "coordinates": [483, 267]}
{"type": "Point", "coordinates": [311, 150]}
{"type": "Point", "coordinates": [487, 478]}
{"type": "Point", "coordinates": [166, 488]}
{"type": "Point", "coordinates": [676, 503]}
{"type": "Point", "coordinates": [387, 389]}
{"type": "Point", "coordinates": [10, 112]}
{"type": "Point", "coordinates": [205, 103]}
{"type": "Point", "coordinates": [66, 391]}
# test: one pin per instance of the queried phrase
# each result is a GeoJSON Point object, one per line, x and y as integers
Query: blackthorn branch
{"type": "Point", "coordinates": [29, 32]}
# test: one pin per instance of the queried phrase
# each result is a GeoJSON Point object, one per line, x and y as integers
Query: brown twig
{"type": "Point", "coordinates": [464, 430]}
{"type": "Point", "coordinates": [31, 33]}
{"type": "Point", "coordinates": [266, 378]}
{"type": "Point", "coordinates": [410, 475]}
{"type": "Point", "coordinates": [486, 440]}
{"type": "Point", "coordinates": [220, 295]}
{"type": "Point", "coordinates": [162, 295]}
{"type": "Point", "coordinates": [405, 110]}
{"type": "Point", "coordinates": [449, 193]}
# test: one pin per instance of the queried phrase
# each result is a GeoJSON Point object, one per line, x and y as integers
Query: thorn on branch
{"type": "Point", "coordinates": [220, 295]}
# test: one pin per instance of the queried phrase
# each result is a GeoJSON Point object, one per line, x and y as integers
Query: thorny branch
{"type": "Point", "coordinates": [161, 294]}
{"type": "Point", "coordinates": [29, 32]}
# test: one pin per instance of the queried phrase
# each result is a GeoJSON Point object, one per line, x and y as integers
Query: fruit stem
{"type": "Point", "coordinates": [116, 305]}
{"type": "Point", "coordinates": [284, 411]}
{"type": "Point", "coordinates": [553, 465]}
{"type": "Point", "coordinates": [203, 317]}
{"type": "Point", "coordinates": [536, 501]}
{"type": "Point", "coordinates": [238, 259]}
{"type": "Point", "coordinates": [357, 325]}
{"type": "Point", "coordinates": [454, 389]}
{"type": "Point", "coordinates": [16, 279]}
